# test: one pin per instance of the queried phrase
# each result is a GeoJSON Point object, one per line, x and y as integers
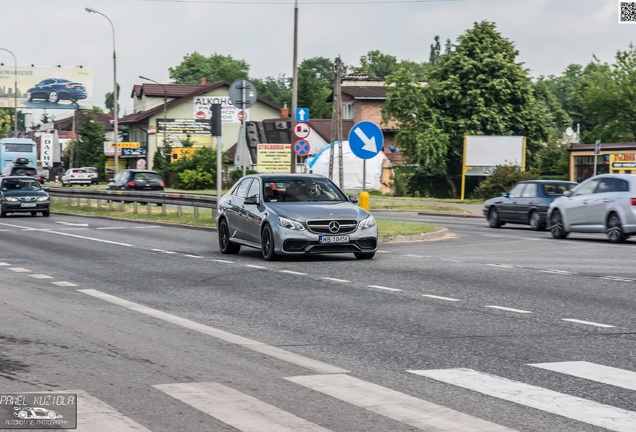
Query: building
{"type": "Point", "coordinates": [615, 158]}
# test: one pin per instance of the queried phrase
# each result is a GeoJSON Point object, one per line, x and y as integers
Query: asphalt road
{"type": "Point", "coordinates": [483, 330]}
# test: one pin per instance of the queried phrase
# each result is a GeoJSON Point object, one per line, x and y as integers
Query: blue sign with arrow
{"type": "Point", "coordinates": [366, 139]}
{"type": "Point", "coordinates": [302, 114]}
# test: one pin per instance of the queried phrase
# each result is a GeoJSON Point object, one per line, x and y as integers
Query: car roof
{"type": "Point", "coordinates": [287, 176]}
{"type": "Point", "coordinates": [548, 181]}
{"type": "Point", "coordinates": [22, 177]}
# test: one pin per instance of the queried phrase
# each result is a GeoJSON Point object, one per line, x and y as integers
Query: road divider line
{"type": "Point", "coordinates": [90, 238]}
{"type": "Point", "coordinates": [251, 344]}
{"type": "Point", "coordinates": [223, 261]}
{"type": "Point", "coordinates": [239, 410]}
{"type": "Point", "coordinates": [384, 288]}
{"type": "Point", "coordinates": [335, 280]}
{"type": "Point", "coordinates": [593, 372]}
{"type": "Point", "coordinates": [590, 323]}
{"type": "Point", "coordinates": [508, 309]}
{"type": "Point", "coordinates": [441, 298]}
{"type": "Point", "coordinates": [256, 266]}
{"type": "Point", "coordinates": [41, 276]}
{"type": "Point", "coordinates": [64, 284]}
{"type": "Point", "coordinates": [19, 270]}
{"type": "Point", "coordinates": [501, 265]}
{"type": "Point", "coordinates": [293, 272]}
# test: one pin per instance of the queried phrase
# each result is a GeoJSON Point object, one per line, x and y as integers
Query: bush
{"type": "Point", "coordinates": [194, 180]}
{"type": "Point", "coordinates": [502, 179]}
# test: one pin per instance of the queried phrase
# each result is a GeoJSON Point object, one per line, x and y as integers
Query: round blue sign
{"type": "Point", "coordinates": [366, 139]}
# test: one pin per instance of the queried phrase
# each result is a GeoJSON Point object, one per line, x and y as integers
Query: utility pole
{"type": "Point", "coordinates": [336, 123]}
{"type": "Point", "coordinates": [294, 85]}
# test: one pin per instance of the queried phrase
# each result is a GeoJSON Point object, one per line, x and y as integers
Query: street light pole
{"type": "Point", "coordinates": [15, 91]}
{"type": "Point", "coordinates": [165, 110]}
{"type": "Point", "coordinates": [115, 99]}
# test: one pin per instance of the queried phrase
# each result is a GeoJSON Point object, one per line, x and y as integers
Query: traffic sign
{"type": "Point", "coordinates": [366, 139]}
{"type": "Point", "coordinates": [302, 130]}
{"type": "Point", "coordinates": [242, 93]}
{"type": "Point", "coordinates": [301, 147]}
{"type": "Point", "coordinates": [302, 114]}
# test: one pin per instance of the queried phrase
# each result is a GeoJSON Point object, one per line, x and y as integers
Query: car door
{"type": "Point", "coordinates": [252, 213]}
{"type": "Point", "coordinates": [235, 209]}
{"type": "Point", "coordinates": [603, 198]}
{"type": "Point", "coordinates": [507, 209]}
{"type": "Point", "coordinates": [527, 200]}
{"type": "Point", "coordinates": [577, 207]}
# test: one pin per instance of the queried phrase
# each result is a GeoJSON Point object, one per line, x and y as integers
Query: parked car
{"type": "Point", "coordinates": [526, 203]}
{"type": "Point", "coordinates": [54, 90]}
{"type": "Point", "coordinates": [20, 166]}
{"type": "Point", "coordinates": [94, 174]}
{"type": "Point", "coordinates": [304, 214]}
{"type": "Point", "coordinates": [23, 194]}
{"type": "Point", "coordinates": [77, 176]}
{"type": "Point", "coordinates": [136, 179]}
{"type": "Point", "coordinates": [605, 203]}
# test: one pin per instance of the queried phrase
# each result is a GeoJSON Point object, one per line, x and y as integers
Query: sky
{"type": "Point", "coordinates": [153, 35]}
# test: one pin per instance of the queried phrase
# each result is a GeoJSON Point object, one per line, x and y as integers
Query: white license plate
{"type": "Point", "coordinates": [28, 205]}
{"type": "Point", "coordinates": [334, 239]}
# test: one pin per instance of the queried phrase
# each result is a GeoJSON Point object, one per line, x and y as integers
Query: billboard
{"type": "Point", "coordinates": [46, 87]}
{"type": "Point", "coordinates": [201, 106]}
{"type": "Point", "coordinates": [177, 130]}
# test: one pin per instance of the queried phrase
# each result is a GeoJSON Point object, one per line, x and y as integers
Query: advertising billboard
{"type": "Point", "coordinates": [201, 106]}
{"type": "Point", "coordinates": [46, 87]}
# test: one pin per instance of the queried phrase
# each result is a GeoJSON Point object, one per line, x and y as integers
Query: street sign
{"type": "Point", "coordinates": [302, 114]}
{"type": "Point", "coordinates": [302, 130]}
{"type": "Point", "coordinates": [301, 147]}
{"type": "Point", "coordinates": [365, 139]}
{"type": "Point", "coordinates": [241, 89]}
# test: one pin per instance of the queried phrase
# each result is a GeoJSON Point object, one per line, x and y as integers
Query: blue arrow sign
{"type": "Point", "coordinates": [365, 139]}
{"type": "Point", "coordinates": [302, 114]}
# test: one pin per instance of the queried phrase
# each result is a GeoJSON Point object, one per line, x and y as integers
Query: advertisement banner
{"type": "Point", "coordinates": [46, 149]}
{"type": "Point", "coordinates": [623, 161]}
{"type": "Point", "coordinates": [46, 87]}
{"type": "Point", "coordinates": [177, 130]}
{"type": "Point", "coordinates": [202, 106]}
{"type": "Point", "coordinates": [274, 158]}
{"type": "Point", "coordinates": [125, 149]}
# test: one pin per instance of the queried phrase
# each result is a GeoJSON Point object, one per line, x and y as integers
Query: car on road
{"type": "Point", "coordinates": [137, 179]}
{"type": "Point", "coordinates": [20, 166]}
{"type": "Point", "coordinates": [526, 203]}
{"type": "Point", "coordinates": [303, 214]}
{"type": "Point", "coordinates": [94, 174]}
{"type": "Point", "coordinates": [54, 90]}
{"type": "Point", "coordinates": [23, 194]}
{"type": "Point", "coordinates": [35, 413]}
{"type": "Point", "coordinates": [76, 176]}
{"type": "Point", "coordinates": [604, 203]}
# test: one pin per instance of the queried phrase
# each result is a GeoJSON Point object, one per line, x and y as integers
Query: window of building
{"type": "Point", "coordinates": [347, 111]}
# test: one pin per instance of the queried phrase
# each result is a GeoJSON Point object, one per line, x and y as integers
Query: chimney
{"type": "Point", "coordinates": [203, 81]}
{"type": "Point", "coordinates": [284, 112]}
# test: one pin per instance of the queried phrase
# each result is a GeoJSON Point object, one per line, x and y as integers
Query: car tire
{"type": "Point", "coordinates": [535, 221]}
{"type": "Point", "coordinates": [225, 245]}
{"type": "Point", "coordinates": [267, 244]}
{"type": "Point", "coordinates": [34, 213]}
{"type": "Point", "coordinates": [614, 231]}
{"type": "Point", "coordinates": [364, 255]}
{"type": "Point", "coordinates": [493, 218]}
{"type": "Point", "coordinates": [557, 229]}
{"type": "Point", "coordinates": [2, 212]}
{"type": "Point", "coordinates": [46, 213]}
{"type": "Point", "coordinates": [53, 97]}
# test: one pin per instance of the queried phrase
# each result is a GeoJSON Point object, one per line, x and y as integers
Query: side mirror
{"type": "Point", "coordinates": [353, 199]}
{"type": "Point", "coordinates": [46, 188]}
{"type": "Point", "coordinates": [567, 193]}
{"type": "Point", "coordinates": [504, 194]}
{"type": "Point", "coordinates": [251, 201]}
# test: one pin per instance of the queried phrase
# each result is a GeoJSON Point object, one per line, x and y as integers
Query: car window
{"type": "Point", "coordinates": [586, 188]}
{"type": "Point", "coordinates": [515, 192]}
{"type": "Point", "coordinates": [530, 191]}
{"type": "Point", "coordinates": [146, 176]}
{"type": "Point", "coordinates": [243, 187]}
{"type": "Point", "coordinates": [610, 184]}
{"type": "Point", "coordinates": [254, 191]}
{"type": "Point", "coordinates": [556, 189]}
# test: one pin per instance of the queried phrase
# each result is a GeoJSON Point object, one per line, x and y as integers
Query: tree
{"type": "Point", "coordinates": [277, 90]}
{"type": "Point", "coordinates": [377, 65]}
{"type": "Point", "coordinates": [216, 67]}
{"type": "Point", "coordinates": [88, 150]}
{"type": "Point", "coordinates": [477, 88]}
{"type": "Point", "coordinates": [109, 102]}
{"type": "Point", "coordinates": [5, 122]}
{"type": "Point", "coordinates": [315, 80]}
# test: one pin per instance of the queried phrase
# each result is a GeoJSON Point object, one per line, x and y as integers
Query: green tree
{"type": "Point", "coordinates": [5, 122]}
{"type": "Point", "coordinates": [109, 101]}
{"type": "Point", "coordinates": [216, 67]}
{"type": "Point", "coordinates": [376, 64]}
{"type": "Point", "coordinates": [196, 171]}
{"type": "Point", "coordinates": [89, 150]}
{"type": "Point", "coordinates": [277, 90]}
{"type": "Point", "coordinates": [315, 81]}
{"type": "Point", "coordinates": [477, 88]}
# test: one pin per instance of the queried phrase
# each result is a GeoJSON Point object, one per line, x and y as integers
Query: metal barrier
{"type": "Point", "coordinates": [110, 198]}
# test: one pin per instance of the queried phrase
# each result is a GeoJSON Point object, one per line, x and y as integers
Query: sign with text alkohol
{"type": "Point", "coordinates": [202, 106]}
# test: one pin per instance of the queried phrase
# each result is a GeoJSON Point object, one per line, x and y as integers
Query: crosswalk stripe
{"type": "Point", "coordinates": [94, 415]}
{"type": "Point", "coordinates": [237, 409]}
{"type": "Point", "coordinates": [395, 405]}
{"type": "Point", "coordinates": [593, 372]}
{"type": "Point", "coordinates": [608, 417]}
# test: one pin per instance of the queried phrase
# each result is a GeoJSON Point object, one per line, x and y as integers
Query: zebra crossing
{"type": "Point", "coordinates": [247, 413]}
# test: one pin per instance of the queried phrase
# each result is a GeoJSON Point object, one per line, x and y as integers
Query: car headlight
{"type": "Point", "coordinates": [291, 224]}
{"type": "Point", "coordinates": [12, 199]}
{"type": "Point", "coordinates": [367, 222]}
{"type": "Point", "coordinates": [42, 198]}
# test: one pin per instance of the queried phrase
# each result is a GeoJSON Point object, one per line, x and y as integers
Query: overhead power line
{"type": "Point", "coordinates": [290, 2]}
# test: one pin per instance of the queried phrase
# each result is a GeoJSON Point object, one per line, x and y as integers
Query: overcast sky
{"type": "Point", "coordinates": [153, 35]}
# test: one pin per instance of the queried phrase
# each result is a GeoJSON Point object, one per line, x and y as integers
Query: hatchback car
{"type": "Point", "coordinates": [605, 203]}
{"type": "Point", "coordinates": [54, 90]}
{"type": "Point", "coordinates": [526, 203]}
{"type": "Point", "coordinates": [23, 194]}
{"type": "Point", "coordinates": [136, 179]}
{"type": "Point", "coordinates": [19, 167]}
{"type": "Point", "coordinates": [94, 174]}
{"type": "Point", "coordinates": [293, 214]}
{"type": "Point", "coordinates": [78, 176]}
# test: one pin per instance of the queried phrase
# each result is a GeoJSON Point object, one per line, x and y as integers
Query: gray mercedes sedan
{"type": "Point", "coordinates": [293, 214]}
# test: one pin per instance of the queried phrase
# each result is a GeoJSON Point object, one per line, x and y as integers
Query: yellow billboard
{"type": "Point", "coordinates": [273, 158]}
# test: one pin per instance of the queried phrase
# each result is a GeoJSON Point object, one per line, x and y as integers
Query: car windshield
{"type": "Point", "coordinates": [147, 176]}
{"type": "Point", "coordinates": [20, 184]}
{"type": "Point", "coordinates": [301, 189]}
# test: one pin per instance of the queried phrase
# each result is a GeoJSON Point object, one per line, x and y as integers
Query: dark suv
{"type": "Point", "coordinates": [136, 179]}
{"type": "Point", "coordinates": [20, 167]}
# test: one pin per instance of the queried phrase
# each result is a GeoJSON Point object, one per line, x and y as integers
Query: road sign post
{"type": "Point", "coordinates": [243, 95]}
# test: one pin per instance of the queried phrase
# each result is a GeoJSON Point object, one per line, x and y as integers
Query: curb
{"type": "Point", "coordinates": [441, 233]}
{"type": "Point", "coordinates": [460, 215]}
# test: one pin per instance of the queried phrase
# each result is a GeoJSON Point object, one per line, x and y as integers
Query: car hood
{"type": "Point", "coordinates": [303, 211]}
{"type": "Point", "coordinates": [22, 193]}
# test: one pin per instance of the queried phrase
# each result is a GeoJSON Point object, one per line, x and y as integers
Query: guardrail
{"type": "Point", "coordinates": [109, 199]}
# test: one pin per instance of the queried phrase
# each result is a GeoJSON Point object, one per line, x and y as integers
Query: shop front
{"type": "Point", "coordinates": [615, 158]}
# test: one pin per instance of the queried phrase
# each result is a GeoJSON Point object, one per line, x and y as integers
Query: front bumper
{"type": "Point", "coordinates": [291, 242]}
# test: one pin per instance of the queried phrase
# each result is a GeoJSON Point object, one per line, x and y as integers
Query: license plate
{"type": "Point", "coordinates": [334, 239]}
{"type": "Point", "coordinates": [28, 205]}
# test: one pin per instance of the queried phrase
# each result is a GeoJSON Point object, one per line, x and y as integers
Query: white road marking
{"type": "Point", "coordinates": [256, 266]}
{"type": "Point", "coordinates": [501, 265]}
{"type": "Point", "coordinates": [593, 372]}
{"type": "Point", "coordinates": [94, 415]}
{"type": "Point", "coordinates": [41, 276]}
{"type": "Point", "coordinates": [64, 284]}
{"type": "Point", "coordinates": [4, 264]}
{"type": "Point", "coordinates": [416, 256]}
{"type": "Point", "coordinates": [223, 261]}
{"type": "Point", "coordinates": [384, 288]}
{"type": "Point", "coordinates": [591, 323]}
{"type": "Point", "coordinates": [452, 260]}
{"type": "Point", "coordinates": [583, 410]}
{"type": "Point", "coordinates": [239, 410]}
{"type": "Point", "coordinates": [147, 227]}
{"type": "Point", "coordinates": [619, 279]}
{"type": "Point", "coordinates": [563, 272]}
{"type": "Point", "coordinates": [19, 270]}
{"type": "Point", "coordinates": [293, 272]}
{"type": "Point", "coordinates": [251, 344]}
{"type": "Point", "coordinates": [509, 309]}
{"type": "Point", "coordinates": [90, 238]}
{"type": "Point", "coordinates": [440, 297]}
{"type": "Point", "coordinates": [395, 405]}
{"type": "Point", "coordinates": [163, 251]}
{"type": "Point", "coordinates": [112, 228]}
{"type": "Point", "coordinates": [193, 256]}
{"type": "Point", "coordinates": [72, 224]}
{"type": "Point", "coordinates": [335, 280]}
